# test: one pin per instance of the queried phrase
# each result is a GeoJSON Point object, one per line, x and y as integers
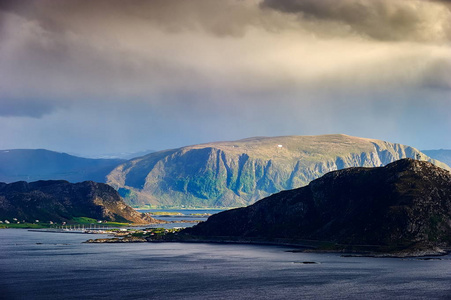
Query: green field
{"type": "Point", "coordinates": [85, 220]}
{"type": "Point", "coordinates": [26, 225]}
{"type": "Point", "coordinates": [74, 221]}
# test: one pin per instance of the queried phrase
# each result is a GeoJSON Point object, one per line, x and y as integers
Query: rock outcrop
{"type": "Point", "coordinates": [404, 205]}
{"type": "Point", "coordinates": [230, 174]}
{"type": "Point", "coordinates": [58, 200]}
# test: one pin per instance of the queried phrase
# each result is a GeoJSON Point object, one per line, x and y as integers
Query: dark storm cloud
{"type": "Point", "coordinates": [8, 4]}
{"type": "Point", "coordinates": [176, 71]}
{"type": "Point", "coordinates": [228, 17]}
{"type": "Point", "coordinates": [162, 52]}
{"type": "Point", "coordinates": [389, 20]}
{"type": "Point", "coordinates": [57, 52]}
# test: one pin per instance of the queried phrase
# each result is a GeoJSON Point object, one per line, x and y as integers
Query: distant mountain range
{"type": "Point", "coordinates": [221, 174]}
{"type": "Point", "coordinates": [39, 164]}
{"type": "Point", "coordinates": [57, 201]}
{"type": "Point", "coordinates": [237, 173]}
{"type": "Point", "coordinates": [404, 206]}
{"type": "Point", "coordinates": [441, 155]}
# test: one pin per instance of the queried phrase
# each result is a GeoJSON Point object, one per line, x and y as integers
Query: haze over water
{"type": "Point", "coordinates": [37, 265]}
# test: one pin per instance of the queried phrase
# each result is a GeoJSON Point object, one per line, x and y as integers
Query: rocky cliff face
{"type": "Point", "coordinates": [61, 201]}
{"type": "Point", "coordinates": [239, 173]}
{"type": "Point", "coordinates": [402, 205]}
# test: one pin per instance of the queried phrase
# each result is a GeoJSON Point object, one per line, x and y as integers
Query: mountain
{"type": "Point", "coordinates": [441, 155]}
{"type": "Point", "coordinates": [58, 200]}
{"type": "Point", "coordinates": [40, 164]}
{"type": "Point", "coordinates": [230, 174]}
{"type": "Point", "coordinates": [404, 205]}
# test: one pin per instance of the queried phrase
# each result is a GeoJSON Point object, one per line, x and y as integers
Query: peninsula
{"type": "Point", "coordinates": [59, 201]}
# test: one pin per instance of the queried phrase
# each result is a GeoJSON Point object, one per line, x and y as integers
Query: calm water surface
{"type": "Point", "coordinates": [35, 265]}
{"type": "Point", "coordinates": [184, 211]}
{"type": "Point", "coordinates": [187, 214]}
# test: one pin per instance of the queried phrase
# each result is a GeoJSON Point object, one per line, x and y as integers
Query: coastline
{"type": "Point", "coordinates": [305, 246]}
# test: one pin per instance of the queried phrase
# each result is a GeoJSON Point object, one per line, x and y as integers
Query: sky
{"type": "Point", "coordinates": [110, 76]}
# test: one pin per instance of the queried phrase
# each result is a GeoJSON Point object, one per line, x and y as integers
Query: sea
{"type": "Point", "coordinates": [185, 214]}
{"type": "Point", "coordinates": [42, 265]}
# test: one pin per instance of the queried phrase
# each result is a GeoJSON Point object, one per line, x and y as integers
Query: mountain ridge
{"type": "Point", "coordinates": [238, 173]}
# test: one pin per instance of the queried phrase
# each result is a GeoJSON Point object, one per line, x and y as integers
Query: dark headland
{"type": "Point", "coordinates": [401, 209]}
{"type": "Point", "coordinates": [59, 200]}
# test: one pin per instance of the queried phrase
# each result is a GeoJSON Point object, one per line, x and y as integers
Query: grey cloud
{"type": "Point", "coordinates": [222, 18]}
{"type": "Point", "coordinates": [388, 20]}
{"type": "Point", "coordinates": [8, 5]}
{"type": "Point", "coordinates": [185, 53]}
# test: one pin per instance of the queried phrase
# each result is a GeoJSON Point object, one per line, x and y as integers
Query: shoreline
{"type": "Point", "coordinates": [311, 248]}
{"type": "Point", "coordinates": [215, 209]}
{"type": "Point", "coordinates": [304, 246]}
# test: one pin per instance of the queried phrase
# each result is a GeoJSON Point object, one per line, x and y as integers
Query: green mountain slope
{"type": "Point", "coordinates": [40, 164]}
{"type": "Point", "coordinates": [238, 173]}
